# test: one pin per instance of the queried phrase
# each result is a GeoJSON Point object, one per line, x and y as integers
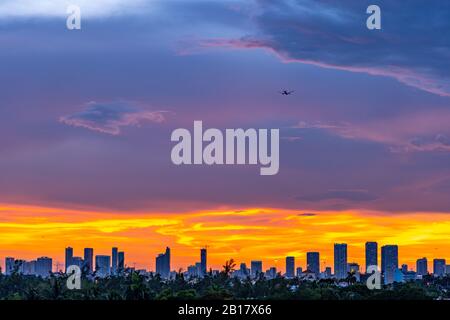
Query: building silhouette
{"type": "Point", "coordinates": [69, 256]}
{"type": "Point", "coordinates": [102, 265]}
{"type": "Point", "coordinates": [422, 266]}
{"type": "Point", "coordinates": [256, 267]}
{"type": "Point", "coordinates": [439, 267]}
{"type": "Point", "coordinates": [290, 267]}
{"type": "Point", "coordinates": [120, 261]}
{"type": "Point", "coordinates": [114, 260]}
{"type": "Point", "coordinates": [389, 262]}
{"type": "Point", "coordinates": [371, 254]}
{"type": "Point", "coordinates": [88, 264]}
{"type": "Point", "coordinates": [340, 260]}
{"type": "Point", "coordinates": [313, 262]}
{"type": "Point", "coordinates": [163, 264]}
{"type": "Point", "coordinates": [43, 267]}
{"type": "Point", "coordinates": [203, 261]}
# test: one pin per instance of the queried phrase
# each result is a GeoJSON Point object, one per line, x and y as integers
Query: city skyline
{"type": "Point", "coordinates": [107, 264]}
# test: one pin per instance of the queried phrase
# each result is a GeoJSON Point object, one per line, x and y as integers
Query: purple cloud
{"type": "Point", "coordinates": [109, 118]}
{"type": "Point", "coordinates": [411, 47]}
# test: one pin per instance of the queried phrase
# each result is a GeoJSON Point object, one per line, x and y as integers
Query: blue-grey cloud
{"type": "Point", "coordinates": [111, 117]}
{"type": "Point", "coordinates": [412, 47]}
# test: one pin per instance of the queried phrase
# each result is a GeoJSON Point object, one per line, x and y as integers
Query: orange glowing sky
{"type": "Point", "coordinates": [253, 233]}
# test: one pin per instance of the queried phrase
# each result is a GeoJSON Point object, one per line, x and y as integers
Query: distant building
{"type": "Point", "coordinates": [327, 272]}
{"type": "Point", "coordinates": [404, 268]}
{"type": "Point", "coordinates": [353, 267]}
{"type": "Point", "coordinates": [121, 261]}
{"type": "Point", "coordinates": [29, 267]}
{"type": "Point", "coordinates": [371, 254]}
{"type": "Point", "coordinates": [163, 264]}
{"type": "Point", "coordinates": [271, 273]}
{"type": "Point", "coordinates": [340, 260]}
{"type": "Point", "coordinates": [89, 260]}
{"type": "Point", "coordinates": [422, 266]}
{"type": "Point", "coordinates": [77, 261]}
{"type": "Point", "coordinates": [313, 262]}
{"type": "Point", "coordinates": [102, 266]}
{"type": "Point", "coordinates": [256, 267]}
{"type": "Point", "coordinates": [114, 260]}
{"type": "Point", "coordinates": [439, 267]}
{"type": "Point", "coordinates": [447, 269]}
{"type": "Point", "coordinates": [69, 255]}
{"type": "Point", "coordinates": [389, 262]}
{"type": "Point", "coordinates": [9, 265]}
{"type": "Point", "coordinates": [243, 271]}
{"type": "Point", "coordinates": [290, 267]}
{"type": "Point", "coordinates": [44, 267]}
{"type": "Point", "coordinates": [203, 257]}
{"type": "Point", "coordinates": [299, 272]}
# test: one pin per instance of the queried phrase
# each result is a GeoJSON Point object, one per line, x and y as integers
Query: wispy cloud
{"type": "Point", "coordinates": [109, 118]}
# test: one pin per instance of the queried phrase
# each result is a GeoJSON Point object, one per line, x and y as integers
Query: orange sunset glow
{"type": "Point", "coordinates": [252, 233]}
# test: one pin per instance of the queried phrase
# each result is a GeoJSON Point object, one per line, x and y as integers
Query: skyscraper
{"type": "Point", "coordinates": [114, 260]}
{"type": "Point", "coordinates": [290, 267]}
{"type": "Point", "coordinates": [203, 257]}
{"type": "Point", "coordinates": [389, 262]}
{"type": "Point", "coordinates": [121, 261]}
{"type": "Point", "coordinates": [371, 254]}
{"type": "Point", "coordinates": [44, 267]}
{"type": "Point", "coordinates": [89, 260]}
{"type": "Point", "coordinates": [313, 262]}
{"type": "Point", "coordinates": [256, 267]}
{"type": "Point", "coordinates": [340, 260]}
{"type": "Point", "coordinates": [69, 255]}
{"type": "Point", "coordinates": [163, 264]}
{"type": "Point", "coordinates": [9, 265]}
{"type": "Point", "coordinates": [102, 265]}
{"type": "Point", "coordinates": [439, 267]}
{"type": "Point", "coordinates": [422, 266]}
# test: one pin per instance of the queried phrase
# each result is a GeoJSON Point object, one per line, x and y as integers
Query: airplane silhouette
{"type": "Point", "coordinates": [286, 93]}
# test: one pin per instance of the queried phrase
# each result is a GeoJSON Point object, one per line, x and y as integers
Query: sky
{"type": "Point", "coordinates": [86, 117]}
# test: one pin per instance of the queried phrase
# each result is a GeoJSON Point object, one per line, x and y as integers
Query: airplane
{"type": "Point", "coordinates": [286, 93]}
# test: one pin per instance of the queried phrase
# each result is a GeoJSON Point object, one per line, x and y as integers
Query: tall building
{"type": "Point", "coordinates": [340, 260]}
{"type": "Point", "coordinates": [439, 267]}
{"type": "Point", "coordinates": [422, 266]}
{"type": "Point", "coordinates": [290, 267]}
{"type": "Point", "coordinates": [89, 260]}
{"type": "Point", "coordinates": [77, 261]}
{"type": "Point", "coordinates": [371, 254]}
{"type": "Point", "coordinates": [102, 265]}
{"type": "Point", "coordinates": [299, 272]}
{"type": "Point", "coordinates": [203, 257]}
{"type": "Point", "coordinates": [313, 262]}
{"type": "Point", "coordinates": [163, 264]}
{"type": "Point", "coordinates": [69, 255]}
{"type": "Point", "coordinates": [121, 261]}
{"type": "Point", "coordinates": [389, 262]}
{"type": "Point", "coordinates": [29, 267]}
{"type": "Point", "coordinates": [114, 260]}
{"type": "Point", "coordinates": [9, 265]}
{"type": "Point", "coordinates": [256, 267]}
{"type": "Point", "coordinates": [447, 269]}
{"type": "Point", "coordinates": [44, 267]}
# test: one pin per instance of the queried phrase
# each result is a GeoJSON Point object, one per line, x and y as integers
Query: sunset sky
{"type": "Point", "coordinates": [86, 118]}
